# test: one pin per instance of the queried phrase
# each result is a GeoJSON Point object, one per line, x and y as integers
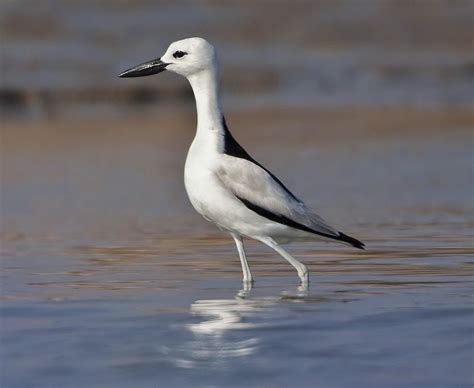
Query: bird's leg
{"type": "Point", "coordinates": [245, 291]}
{"type": "Point", "coordinates": [243, 260]}
{"type": "Point", "coordinates": [300, 267]}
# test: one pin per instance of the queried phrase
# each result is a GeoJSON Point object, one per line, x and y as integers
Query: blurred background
{"type": "Point", "coordinates": [62, 58]}
{"type": "Point", "coordinates": [364, 108]}
{"type": "Point", "coordinates": [78, 141]}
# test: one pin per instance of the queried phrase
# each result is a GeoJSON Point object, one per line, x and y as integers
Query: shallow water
{"type": "Point", "coordinates": [110, 280]}
{"type": "Point", "coordinates": [171, 312]}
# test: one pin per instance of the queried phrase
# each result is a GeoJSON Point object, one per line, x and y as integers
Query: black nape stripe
{"type": "Point", "coordinates": [288, 222]}
{"type": "Point", "coordinates": [232, 148]}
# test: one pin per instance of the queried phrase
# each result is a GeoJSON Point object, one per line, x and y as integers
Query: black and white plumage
{"type": "Point", "coordinates": [223, 182]}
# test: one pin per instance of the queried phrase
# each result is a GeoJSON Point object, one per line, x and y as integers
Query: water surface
{"type": "Point", "coordinates": [110, 280]}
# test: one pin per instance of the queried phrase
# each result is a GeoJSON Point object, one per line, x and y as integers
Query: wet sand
{"type": "Point", "coordinates": [106, 173]}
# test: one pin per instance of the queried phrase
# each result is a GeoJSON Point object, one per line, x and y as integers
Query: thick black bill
{"type": "Point", "coordinates": [148, 68]}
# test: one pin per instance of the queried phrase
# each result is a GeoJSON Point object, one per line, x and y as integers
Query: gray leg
{"type": "Point", "coordinates": [245, 291]}
{"type": "Point", "coordinates": [243, 259]}
{"type": "Point", "coordinates": [300, 267]}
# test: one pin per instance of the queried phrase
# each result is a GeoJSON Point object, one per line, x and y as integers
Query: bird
{"type": "Point", "coordinates": [226, 185]}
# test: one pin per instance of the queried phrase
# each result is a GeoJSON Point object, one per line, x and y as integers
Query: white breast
{"type": "Point", "coordinates": [199, 177]}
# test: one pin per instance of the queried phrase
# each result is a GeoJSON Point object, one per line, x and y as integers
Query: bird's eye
{"type": "Point", "coordinates": [179, 54]}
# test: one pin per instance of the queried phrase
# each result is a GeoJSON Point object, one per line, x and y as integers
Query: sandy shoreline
{"type": "Point", "coordinates": [288, 124]}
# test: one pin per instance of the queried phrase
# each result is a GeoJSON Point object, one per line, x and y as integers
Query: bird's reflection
{"type": "Point", "coordinates": [228, 328]}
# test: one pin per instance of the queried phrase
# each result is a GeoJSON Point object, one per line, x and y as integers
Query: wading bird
{"type": "Point", "coordinates": [223, 182]}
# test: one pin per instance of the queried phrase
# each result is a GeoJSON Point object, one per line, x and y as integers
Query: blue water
{"type": "Point", "coordinates": [110, 280]}
{"type": "Point", "coordinates": [143, 316]}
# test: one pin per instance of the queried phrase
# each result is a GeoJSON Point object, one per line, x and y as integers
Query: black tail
{"type": "Point", "coordinates": [351, 240]}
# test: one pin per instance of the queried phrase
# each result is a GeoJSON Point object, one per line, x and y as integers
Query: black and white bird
{"type": "Point", "coordinates": [223, 182]}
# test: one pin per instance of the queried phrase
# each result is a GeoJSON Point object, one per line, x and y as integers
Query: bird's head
{"type": "Point", "coordinates": [185, 57]}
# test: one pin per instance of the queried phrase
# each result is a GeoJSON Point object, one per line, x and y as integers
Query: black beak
{"type": "Point", "coordinates": [148, 68]}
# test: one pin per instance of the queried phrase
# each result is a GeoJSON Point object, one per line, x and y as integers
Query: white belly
{"type": "Point", "coordinates": [211, 199]}
{"type": "Point", "coordinates": [206, 193]}
{"type": "Point", "coordinates": [217, 205]}
{"type": "Point", "coordinates": [200, 187]}
{"type": "Point", "coordinates": [200, 180]}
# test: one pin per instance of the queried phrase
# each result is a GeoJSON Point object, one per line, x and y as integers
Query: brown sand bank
{"type": "Point", "coordinates": [105, 173]}
{"type": "Point", "coordinates": [175, 126]}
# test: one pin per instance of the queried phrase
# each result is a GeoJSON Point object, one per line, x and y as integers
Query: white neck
{"type": "Point", "coordinates": [205, 85]}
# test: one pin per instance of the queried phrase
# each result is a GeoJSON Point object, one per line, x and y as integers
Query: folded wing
{"type": "Point", "coordinates": [263, 193]}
